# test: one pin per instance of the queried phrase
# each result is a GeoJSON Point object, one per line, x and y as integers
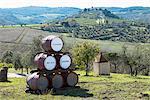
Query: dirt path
{"type": "Point", "coordinates": [16, 75]}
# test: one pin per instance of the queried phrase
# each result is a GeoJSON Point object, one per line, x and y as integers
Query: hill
{"type": "Point", "coordinates": [34, 15]}
{"type": "Point", "coordinates": [95, 13]}
{"type": "Point", "coordinates": [101, 24]}
{"type": "Point", "coordinates": [93, 16]}
{"type": "Point", "coordinates": [138, 13]}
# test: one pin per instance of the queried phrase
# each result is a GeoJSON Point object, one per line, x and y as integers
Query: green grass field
{"type": "Point", "coordinates": [21, 43]}
{"type": "Point", "coordinates": [114, 87]}
{"type": "Point", "coordinates": [105, 46]}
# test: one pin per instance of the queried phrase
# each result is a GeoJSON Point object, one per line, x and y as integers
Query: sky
{"type": "Point", "coordinates": [73, 3]}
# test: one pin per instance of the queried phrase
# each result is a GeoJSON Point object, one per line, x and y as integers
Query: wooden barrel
{"type": "Point", "coordinates": [52, 43]}
{"type": "Point", "coordinates": [37, 82]}
{"type": "Point", "coordinates": [72, 79]}
{"type": "Point", "coordinates": [42, 83]}
{"type": "Point", "coordinates": [57, 81]}
{"type": "Point", "coordinates": [32, 81]}
{"type": "Point", "coordinates": [45, 61]}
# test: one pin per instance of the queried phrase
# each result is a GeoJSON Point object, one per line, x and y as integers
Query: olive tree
{"type": "Point", "coordinates": [34, 49]}
{"type": "Point", "coordinates": [26, 61]}
{"type": "Point", "coordinates": [7, 57]}
{"type": "Point", "coordinates": [17, 62]}
{"type": "Point", "coordinates": [84, 54]}
{"type": "Point", "coordinates": [137, 60]}
{"type": "Point", "coordinates": [114, 59]}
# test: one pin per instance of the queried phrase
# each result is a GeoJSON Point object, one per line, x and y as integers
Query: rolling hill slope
{"type": "Point", "coordinates": [34, 15]}
{"type": "Point", "coordinates": [90, 16]}
{"type": "Point", "coordinates": [132, 13]}
{"type": "Point", "coordinates": [23, 37]}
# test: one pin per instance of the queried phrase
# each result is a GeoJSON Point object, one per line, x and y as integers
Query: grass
{"type": "Point", "coordinates": [84, 21]}
{"type": "Point", "coordinates": [108, 46]}
{"type": "Point", "coordinates": [12, 70]}
{"type": "Point", "coordinates": [115, 87]}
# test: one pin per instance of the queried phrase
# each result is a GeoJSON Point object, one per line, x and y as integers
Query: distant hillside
{"type": "Point", "coordinates": [133, 13]}
{"type": "Point", "coordinates": [93, 16]}
{"type": "Point", "coordinates": [95, 13]}
{"type": "Point", "coordinates": [101, 24]}
{"type": "Point", "coordinates": [34, 15]}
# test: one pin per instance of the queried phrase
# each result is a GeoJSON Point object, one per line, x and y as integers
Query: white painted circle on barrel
{"type": "Point", "coordinates": [57, 44]}
{"type": "Point", "coordinates": [50, 63]}
{"type": "Point", "coordinates": [65, 61]}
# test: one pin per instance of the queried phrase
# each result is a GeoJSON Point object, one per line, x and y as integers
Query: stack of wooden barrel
{"type": "Point", "coordinates": [53, 67]}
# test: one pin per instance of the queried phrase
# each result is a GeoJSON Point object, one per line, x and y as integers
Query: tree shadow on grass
{"type": "Point", "coordinates": [21, 74]}
{"type": "Point", "coordinates": [73, 91]}
{"type": "Point", "coordinates": [5, 81]}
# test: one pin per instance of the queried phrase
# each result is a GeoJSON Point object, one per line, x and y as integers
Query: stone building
{"type": "Point", "coordinates": [101, 66]}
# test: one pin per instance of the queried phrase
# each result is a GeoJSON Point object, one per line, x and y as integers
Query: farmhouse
{"type": "Point", "coordinates": [101, 66]}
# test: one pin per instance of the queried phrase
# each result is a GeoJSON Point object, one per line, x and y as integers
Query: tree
{"type": "Point", "coordinates": [26, 61]}
{"type": "Point", "coordinates": [7, 57]}
{"type": "Point", "coordinates": [128, 59]}
{"type": "Point", "coordinates": [34, 49]}
{"type": "Point", "coordinates": [17, 62]}
{"type": "Point", "coordinates": [137, 60]}
{"type": "Point", "coordinates": [114, 59]}
{"type": "Point", "coordinates": [84, 53]}
{"type": "Point", "coordinates": [143, 59]}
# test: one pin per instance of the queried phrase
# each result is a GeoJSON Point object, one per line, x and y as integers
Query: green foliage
{"type": "Point", "coordinates": [34, 49]}
{"type": "Point", "coordinates": [138, 60]}
{"type": "Point", "coordinates": [9, 65]}
{"type": "Point", "coordinates": [36, 44]}
{"type": "Point", "coordinates": [2, 65]}
{"type": "Point", "coordinates": [17, 61]}
{"type": "Point", "coordinates": [26, 60]}
{"type": "Point", "coordinates": [108, 29]}
{"type": "Point", "coordinates": [84, 53]}
{"type": "Point", "coordinates": [114, 59]}
{"type": "Point", "coordinates": [7, 57]}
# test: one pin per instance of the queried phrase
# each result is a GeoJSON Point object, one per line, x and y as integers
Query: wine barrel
{"type": "Point", "coordinates": [37, 82]}
{"type": "Point", "coordinates": [65, 61]}
{"type": "Point", "coordinates": [32, 81]}
{"type": "Point", "coordinates": [57, 81]}
{"type": "Point", "coordinates": [42, 83]}
{"type": "Point", "coordinates": [45, 61]}
{"type": "Point", "coordinates": [52, 43]}
{"type": "Point", "coordinates": [72, 79]}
